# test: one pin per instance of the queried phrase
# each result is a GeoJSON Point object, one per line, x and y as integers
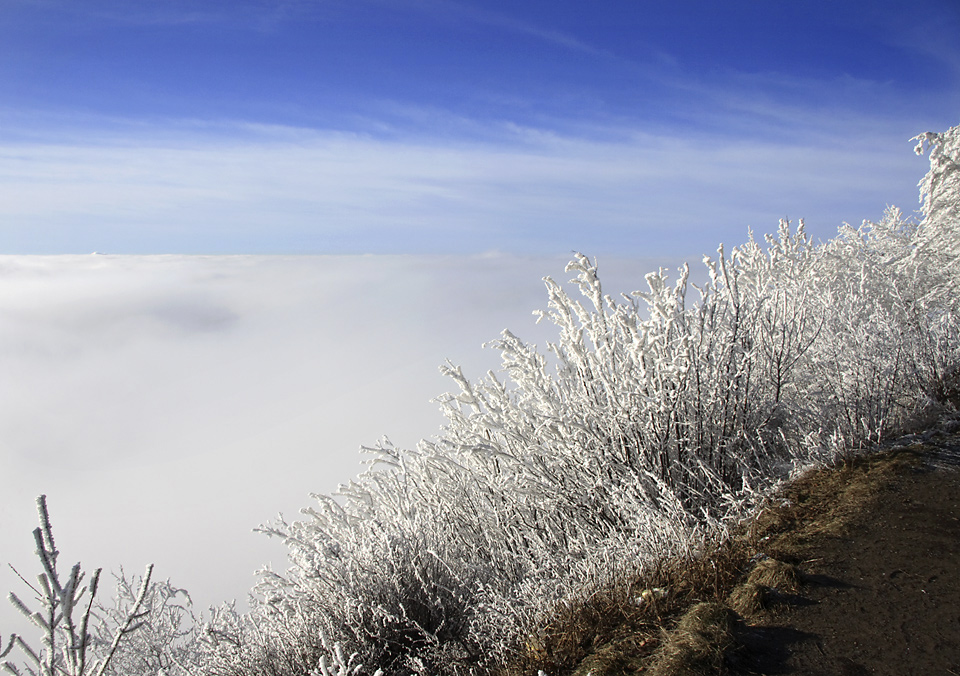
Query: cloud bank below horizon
{"type": "Point", "coordinates": [167, 405]}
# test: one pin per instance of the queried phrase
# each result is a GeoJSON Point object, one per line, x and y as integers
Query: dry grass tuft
{"type": "Point", "coordinates": [699, 643]}
{"type": "Point", "coordinates": [748, 599]}
{"type": "Point", "coordinates": [622, 656]}
{"type": "Point", "coordinates": [768, 579]}
{"type": "Point", "coordinates": [773, 574]}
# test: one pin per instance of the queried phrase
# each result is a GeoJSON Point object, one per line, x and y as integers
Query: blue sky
{"type": "Point", "coordinates": [436, 126]}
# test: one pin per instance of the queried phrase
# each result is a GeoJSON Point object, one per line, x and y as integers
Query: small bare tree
{"type": "Point", "coordinates": [67, 645]}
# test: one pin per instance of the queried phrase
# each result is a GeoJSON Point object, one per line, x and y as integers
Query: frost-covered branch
{"type": "Point", "coordinates": [67, 647]}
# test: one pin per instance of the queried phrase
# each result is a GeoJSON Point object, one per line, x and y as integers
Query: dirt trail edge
{"type": "Point", "coordinates": [877, 547]}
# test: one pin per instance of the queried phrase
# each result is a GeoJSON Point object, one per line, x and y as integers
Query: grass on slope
{"type": "Point", "coordinates": [684, 617]}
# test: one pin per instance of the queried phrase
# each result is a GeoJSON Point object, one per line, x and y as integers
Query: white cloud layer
{"type": "Point", "coordinates": [169, 404]}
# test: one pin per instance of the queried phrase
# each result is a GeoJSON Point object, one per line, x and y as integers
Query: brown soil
{"type": "Point", "coordinates": [879, 566]}
{"type": "Point", "coordinates": [850, 570]}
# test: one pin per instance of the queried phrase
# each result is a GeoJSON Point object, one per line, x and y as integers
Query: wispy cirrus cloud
{"type": "Point", "coordinates": [281, 189]}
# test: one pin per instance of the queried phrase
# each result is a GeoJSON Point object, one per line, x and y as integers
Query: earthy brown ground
{"type": "Point", "coordinates": [850, 570]}
{"type": "Point", "coordinates": [880, 572]}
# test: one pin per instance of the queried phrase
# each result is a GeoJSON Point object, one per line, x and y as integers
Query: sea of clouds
{"type": "Point", "coordinates": [167, 405]}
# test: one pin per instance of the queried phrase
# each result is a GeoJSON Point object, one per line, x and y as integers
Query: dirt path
{"type": "Point", "coordinates": [851, 570]}
{"type": "Point", "coordinates": [881, 593]}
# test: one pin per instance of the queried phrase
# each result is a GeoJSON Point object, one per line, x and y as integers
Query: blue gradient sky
{"type": "Point", "coordinates": [434, 126]}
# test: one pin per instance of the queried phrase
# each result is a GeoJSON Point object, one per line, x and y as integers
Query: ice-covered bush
{"type": "Point", "coordinates": [65, 616]}
{"type": "Point", "coordinates": [651, 422]}
{"type": "Point", "coordinates": [940, 194]}
{"type": "Point", "coordinates": [166, 641]}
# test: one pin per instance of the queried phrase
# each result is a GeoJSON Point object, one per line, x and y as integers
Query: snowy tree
{"type": "Point", "coordinates": [67, 647]}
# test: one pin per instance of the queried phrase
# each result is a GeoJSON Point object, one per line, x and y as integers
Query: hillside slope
{"type": "Point", "coordinates": [850, 570]}
{"type": "Point", "coordinates": [880, 590]}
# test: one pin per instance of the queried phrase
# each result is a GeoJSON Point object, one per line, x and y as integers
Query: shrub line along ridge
{"type": "Point", "coordinates": [628, 450]}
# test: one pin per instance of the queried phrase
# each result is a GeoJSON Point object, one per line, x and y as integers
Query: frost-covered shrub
{"type": "Point", "coordinates": [164, 643]}
{"type": "Point", "coordinates": [940, 194]}
{"type": "Point", "coordinates": [65, 618]}
{"type": "Point", "coordinates": [649, 424]}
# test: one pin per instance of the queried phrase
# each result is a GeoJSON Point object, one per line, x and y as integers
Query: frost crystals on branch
{"type": "Point", "coordinates": [67, 648]}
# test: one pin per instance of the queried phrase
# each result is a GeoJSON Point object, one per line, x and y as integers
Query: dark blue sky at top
{"type": "Point", "coordinates": [332, 63]}
{"type": "Point", "coordinates": [556, 113]}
